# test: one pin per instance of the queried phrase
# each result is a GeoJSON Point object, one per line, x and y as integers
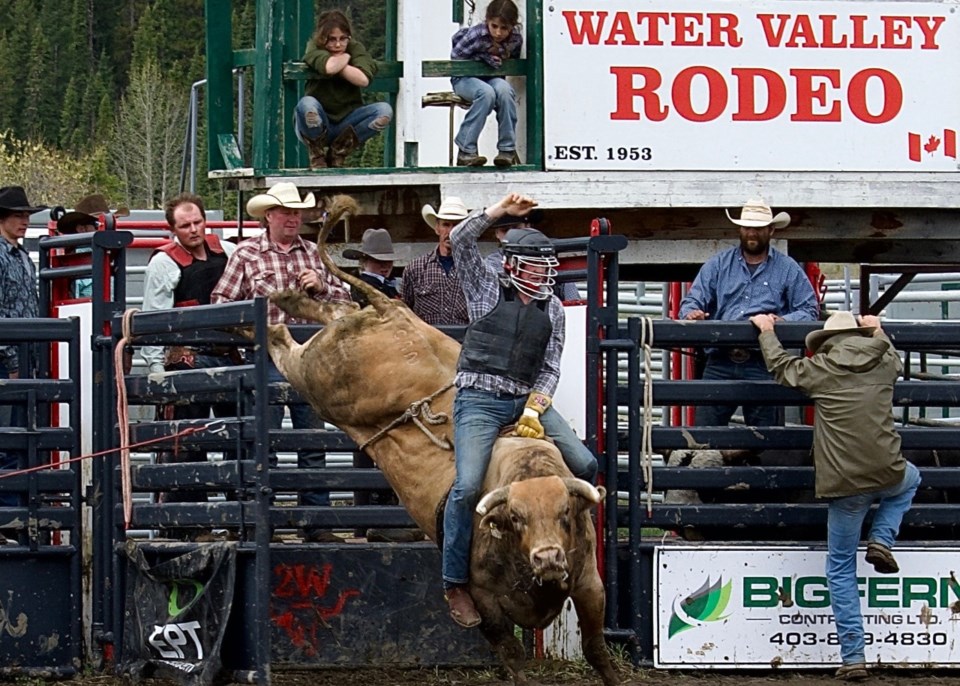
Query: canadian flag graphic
{"type": "Point", "coordinates": [947, 144]}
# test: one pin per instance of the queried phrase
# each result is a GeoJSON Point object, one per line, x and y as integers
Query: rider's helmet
{"type": "Point", "coordinates": [530, 261]}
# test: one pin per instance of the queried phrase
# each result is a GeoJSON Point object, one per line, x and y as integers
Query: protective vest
{"type": "Point", "coordinates": [509, 341]}
{"type": "Point", "coordinates": [198, 278]}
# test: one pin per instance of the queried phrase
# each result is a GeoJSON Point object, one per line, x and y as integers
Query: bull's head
{"type": "Point", "coordinates": [542, 514]}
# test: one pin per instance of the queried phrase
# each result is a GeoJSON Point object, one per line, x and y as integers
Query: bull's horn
{"type": "Point", "coordinates": [493, 500]}
{"type": "Point", "coordinates": [583, 489]}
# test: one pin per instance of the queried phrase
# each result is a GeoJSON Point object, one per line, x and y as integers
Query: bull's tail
{"type": "Point", "coordinates": [338, 207]}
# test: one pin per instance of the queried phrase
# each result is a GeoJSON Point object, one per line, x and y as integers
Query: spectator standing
{"type": "Point", "coordinates": [856, 455]}
{"type": "Point", "coordinates": [83, 219]}
{"type": "Point", "coordinates": [276, 260]}
{"type": "Point", "coordinates": [431, 287]}
{"type": "Point", "coordinates": [183, 273]}
{"type": "Point", "coordinates": [737, 283]}
{"type": "Point", "coordinates": [18, 300]}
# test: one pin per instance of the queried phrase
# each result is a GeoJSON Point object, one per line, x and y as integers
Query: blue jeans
{"type": "Point", "coordinates": [844, 521]}
{"type": "Point", "coordinates": [478, 417]}
{"type": "Point", "coordinates": [303, 417]}
{"type": "Point", "coordinates": [10, 459]}
{"type": "Point", "coordinates": [485, 97]}
{"type": "Point", "coordinates": [364, 120]}
{"type": "Point", "coordinates": [721, 369]}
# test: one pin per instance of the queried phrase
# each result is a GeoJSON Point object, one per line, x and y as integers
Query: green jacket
{"type": "Point", "coordinates": [855, 447]}
{"type": "Point", "coordinates": [338, 96]}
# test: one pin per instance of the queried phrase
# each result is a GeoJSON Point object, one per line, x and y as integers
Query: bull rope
{"type": "Point", "coordinates": [646, 441]}
{"type": "Point", "coordinates": [123, 414]}
{"type": "Point", "coordinates": [418, 409]}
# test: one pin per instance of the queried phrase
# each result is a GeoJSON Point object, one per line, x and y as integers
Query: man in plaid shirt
{"type": "Point", "coordinates": [276, 260]}
{"type": "Point", "coordinates": [508, 370]}
{"type": "Point", "coordinates": [431, 287]}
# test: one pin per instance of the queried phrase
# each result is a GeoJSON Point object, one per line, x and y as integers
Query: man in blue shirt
{"type": "Point", "coordinates": [752, 278]}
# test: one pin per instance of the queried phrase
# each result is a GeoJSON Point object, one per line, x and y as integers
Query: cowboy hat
{"type": "Point", "coordinates": [85, 211]}
{"type": "Point", "coordinates": [14, 199]}
{"type": "Point", "coordinates": [375, 243]}
{"type": "Point", "coordinates": [451, 209]}
{"type": "Point", "coordinates": [757, 213]}
{"type": "Point", "coordinates": [837, 323]}
{"type": "Point", "coordinates": [283, 194]}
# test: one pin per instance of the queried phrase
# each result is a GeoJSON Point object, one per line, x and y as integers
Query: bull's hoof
{"type": "Point", "coordinates": [462, 609]}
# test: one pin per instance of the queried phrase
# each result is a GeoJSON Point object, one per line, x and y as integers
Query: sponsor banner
{"type": "Point", "coordinates": [176, 614]}
{"type": "Point", "coordinates": [771, 85]}
{"type": "Point", "coordinates": [760, 607]}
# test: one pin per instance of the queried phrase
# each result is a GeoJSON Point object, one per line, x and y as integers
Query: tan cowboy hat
{"type": "Point", "coordinates": [85, 213]}
{"type": "Point", "coordinates": [757, 213]}
{"type": "Point", "coordinates": [838, 322]}
{"type": "Point", "coordinates": [283, 194]}
{"type": "Point", "coordinates": [375, 243]}
{"type": "Point", "coordinates": [451, 209]}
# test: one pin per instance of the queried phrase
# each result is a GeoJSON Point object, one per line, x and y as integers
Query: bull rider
{"type": "Point", "coordinates": [508, 370]}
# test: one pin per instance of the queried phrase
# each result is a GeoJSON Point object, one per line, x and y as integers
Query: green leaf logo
{"type": "Point", "coordinates": [706, 604]}
{"type": "Point", "coordinates": [191, 591]}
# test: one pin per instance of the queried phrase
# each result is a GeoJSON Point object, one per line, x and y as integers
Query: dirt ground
{"type": "Point", "coordinates": [565, 674]}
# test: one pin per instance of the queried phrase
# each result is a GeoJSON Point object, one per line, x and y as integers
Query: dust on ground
{"type": "Point", "coordinates": [547, 673]}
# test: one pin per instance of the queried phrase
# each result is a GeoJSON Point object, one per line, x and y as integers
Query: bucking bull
{"type": "Point", "coordinates": [385, 377]}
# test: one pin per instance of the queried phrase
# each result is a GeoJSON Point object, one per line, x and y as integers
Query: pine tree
{"type": "Point", "coordinates": [41, 110]}
{"type": "Point", "coordinates": [71, 118]}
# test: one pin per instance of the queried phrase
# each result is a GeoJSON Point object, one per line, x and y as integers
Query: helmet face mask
{"type": "Point", "coordinates": [530, 261]}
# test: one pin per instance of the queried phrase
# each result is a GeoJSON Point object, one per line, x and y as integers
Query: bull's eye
{"type": "Point", "coordinates": [516, 520]}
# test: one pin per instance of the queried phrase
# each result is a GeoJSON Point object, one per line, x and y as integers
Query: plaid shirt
{"type": "Point", "coordinates": [433, 295]}
{"type": "Point", "coordinates": [257, 267]}
{"type": "Point", "coordinates": [18, 293]}
{"type": "Point", "coordinates": [481, 285]}
{"type": "Point", "coordinates": [475, 43]}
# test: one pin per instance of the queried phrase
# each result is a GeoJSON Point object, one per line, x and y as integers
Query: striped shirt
{"type": "Point", "coordinates": [481, 285]}
{"type": "Point", "coordinates": [259, 267]}
{"type": "Point", "coordinates": [434, 295]}
{"type": "Point", "coordinates": [18, 293]}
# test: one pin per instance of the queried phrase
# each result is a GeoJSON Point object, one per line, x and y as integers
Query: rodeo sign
{"type": "Point", "coordinates": [771, 85]}
{"type": "Point", "coordinates": [763, 607]}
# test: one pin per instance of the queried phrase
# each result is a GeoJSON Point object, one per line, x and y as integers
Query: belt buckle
{"type": "Point", "coordinates": [738, 355]}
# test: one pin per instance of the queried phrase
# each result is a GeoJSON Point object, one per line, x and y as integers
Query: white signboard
{"type": "Point", "coordinates": [762, 607]}
{"type": "Point", "coordinates": [736, 85]}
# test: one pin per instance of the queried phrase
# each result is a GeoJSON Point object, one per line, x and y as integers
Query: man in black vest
{"type": "Point", "coordinates": [508, 371]}
{"type": "Point", "coordinates": [183, 273]}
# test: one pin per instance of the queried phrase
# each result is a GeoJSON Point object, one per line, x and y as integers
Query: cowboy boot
{"type": "Point", "coordinates": [343, 145]}
{"type": "Point", "coordinates": [318, 152]}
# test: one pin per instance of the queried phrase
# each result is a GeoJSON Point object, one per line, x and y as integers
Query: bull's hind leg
{"type": "Point", "coordinates": [498, 630]}
{"type": "Point", "coordinates": [589, 601]}
{"type": "Point", "coordinates": [301, 306]}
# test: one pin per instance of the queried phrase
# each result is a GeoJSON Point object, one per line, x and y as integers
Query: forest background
{"type": "Point", "coordinates": [94, 95]}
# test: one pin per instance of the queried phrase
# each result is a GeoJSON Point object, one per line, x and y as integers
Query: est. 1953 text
{"type": "Point", "coordinates": [593, 152]}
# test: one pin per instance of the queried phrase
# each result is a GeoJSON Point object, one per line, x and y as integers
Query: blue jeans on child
{"type": "Point", "coordinates": [363, 120]}
{"type": "Point", "coordinates": [844, 521]}
{"type": "Point", "coordinates": [485, 97]}
{"type": "Point", "coordinates": [303, 417]}
{"type": "Point", "coordinates": [478, 417]}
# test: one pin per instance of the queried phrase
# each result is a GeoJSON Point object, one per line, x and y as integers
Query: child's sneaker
{"type": "Point", "coordinates": [470, 159]}
{"type": "Point", "coordinates": [506, 158]}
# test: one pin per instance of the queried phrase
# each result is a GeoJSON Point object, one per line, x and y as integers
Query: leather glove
{"type": "Point", "coordinates": [529, 426]}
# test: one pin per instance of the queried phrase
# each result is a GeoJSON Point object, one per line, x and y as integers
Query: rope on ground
{"type": "Point", "coordinates": [646, 441]}
{"type": "Point", "coordinates": [420, 408]}
{"type": "Point", "coordinates": [123, 415]}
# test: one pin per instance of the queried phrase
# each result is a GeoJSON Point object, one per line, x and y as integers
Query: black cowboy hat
{"type": "Point", "coordinates": [14, 199]}
{"type": "Point", "coordinates": [85, 211]}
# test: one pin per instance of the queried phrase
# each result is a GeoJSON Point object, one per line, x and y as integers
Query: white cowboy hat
{"type": "Point", "coordinates": [283, 194]}
{"type": "Point", "coordinates": [838, 322]}
{"type": "Point", "coordinates": [451, 209]}
{"type": "Point", "coordinates": [757, 213]}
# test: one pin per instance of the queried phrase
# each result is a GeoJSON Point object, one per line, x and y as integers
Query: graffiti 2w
{"type": "Point", "coordinates": [299, 591]}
